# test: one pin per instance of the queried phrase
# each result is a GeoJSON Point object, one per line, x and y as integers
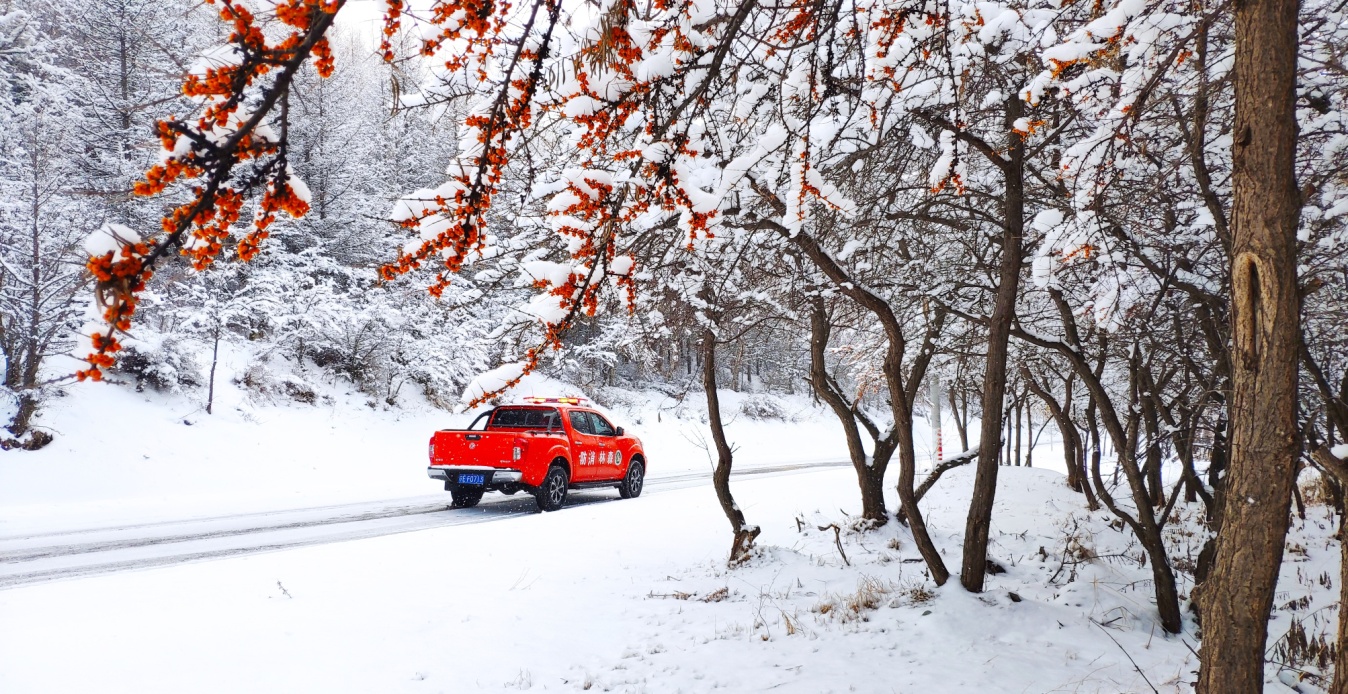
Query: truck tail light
{"type": "Point", "coordinates": [431, 450]}
{"type": "Point", "coordinates": [517, 453]}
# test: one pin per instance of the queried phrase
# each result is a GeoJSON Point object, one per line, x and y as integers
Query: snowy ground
{"type": "Point", "coordinates": [605, 595]}
{"type": "Point", "coordinates": [621, 596]}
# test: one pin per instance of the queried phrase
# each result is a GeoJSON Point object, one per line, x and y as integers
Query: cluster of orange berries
{"type": "Point", "coordinates": [891, 23]}
{"type": "Point", "coordinates": [212, 227]}
{"type": "Point", "coordinates": [477, 21]}
{"type": "Point", "coordinates": [393, 11]}
{"type": "Point", "coordinates": [800, 26]}
{"type": "Point", "coordinates": [121, 275]}
{"type": "Point", "coordinates": [161, 175]}
{"type": "Point", "coordinates": [954, 180]}
{"type": "Point", "coordinates": [603, 123]}
{"type": "Point", "coordinates": [1029, 128]}
{"type": "Point", "coordinates": [1057, 67]}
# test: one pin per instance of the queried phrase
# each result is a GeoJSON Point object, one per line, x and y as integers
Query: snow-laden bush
{"type": "Point", "coordinates": [764, 406]}
{"type": "Point", "coordinates": [168, 365]}
{"type": "Point", "coordinates": [263, 382]}
{"type": "Point", "coordinates": [260, 380]}
{"type": "Point", "coordinates": [383, 341]}
{"type": "Point", "coordinates": [358, 348]}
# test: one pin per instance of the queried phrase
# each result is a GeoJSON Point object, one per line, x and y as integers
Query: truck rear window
{"type": "Point", "coordinates": [526, 418]}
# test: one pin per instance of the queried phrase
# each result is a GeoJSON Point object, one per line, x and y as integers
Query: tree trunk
{"type": "Point", "coordinates": [901, 394]}
{"type": "Point", "coordinates": [1340, 685]}
{"type": "Point", "coordinates": [1145, 525]}
{"type": "Point", "coordinates": [870, 472]}
{"type": "Point", "coordinates": [1265, 309]}
{"type": "Point", "coordinates": [744, 533]}
{"type": "Point", "coordinates": [961, 417]}
{"type": "Point", "coordinates": [30, 351]}
{"type": "Point", "coordinates": [1092, 421]}
{"type": "Point", "coordinates": [1006, 435]}
{"type": "Point", "coordinates": [908, 501]}
{"type": "Point", "coordinates": [215, 359]}
{"type": "Point", "coordinates": [1153, 464]}
{"type": "Point", "coordinates": [1033, 437]}
{"type": "Point", "coordinates": [1074, 452]}
{"type": "Point", "coordinates": [974, 567]}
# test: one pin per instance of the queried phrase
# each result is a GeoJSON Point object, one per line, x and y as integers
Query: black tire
{"type": "Point", "coordinates": [552, 493]}
{"type": "Point", "coordinates": [634, 481]}
{"type": "Point", "coordinates": [466, 497]}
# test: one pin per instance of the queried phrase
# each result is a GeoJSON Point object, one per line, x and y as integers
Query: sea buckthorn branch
{"type": "Point", "coordinates": [508, 114]}
{"type": "Point", "coordinates": [208, 152]}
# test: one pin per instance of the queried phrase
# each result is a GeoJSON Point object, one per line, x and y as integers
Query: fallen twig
{"type": "Point", "coordinates": [1127, 655]}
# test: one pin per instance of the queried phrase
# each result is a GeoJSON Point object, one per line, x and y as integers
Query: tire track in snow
{"type": "Point", "coordinates": [38, 558]}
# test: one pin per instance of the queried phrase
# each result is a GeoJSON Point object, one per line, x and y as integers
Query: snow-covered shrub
{"type": "Point", "coordinates": [168, 366]}
{"type": "Point", "coordinates": [440, 382]}
{"type": "Point", "coordinates": [260, 380]}
{"type": "Point", "coordinates": [257, 378]}
{"type": "Point", "coordinates": [298, 390]}
{"type": "Point", "coordinates": [358, 349]}
{"type": "Point", "coordinates": [764, 406]}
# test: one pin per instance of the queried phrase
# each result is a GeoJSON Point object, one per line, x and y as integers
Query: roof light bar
{"type": "Point", "coordinates": [561, 401]}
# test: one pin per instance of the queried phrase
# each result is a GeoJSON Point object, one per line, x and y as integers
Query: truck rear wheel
{"type": "Point", "coordinates": [466, 497]}
{"type": "Point", "coordinates": [552, 493]}
{"type": "Point", "coordinates": [634, 480]}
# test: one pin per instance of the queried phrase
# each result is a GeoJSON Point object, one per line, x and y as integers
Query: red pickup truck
{"type": "Point", "coordinates": [545, 447]}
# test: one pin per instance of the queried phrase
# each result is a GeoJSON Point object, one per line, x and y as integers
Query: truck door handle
{"type": "Point", "coordinates": [473, 437]}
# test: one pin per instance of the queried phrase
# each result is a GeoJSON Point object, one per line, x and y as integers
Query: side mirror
{"type": "Point", "coordinates": [620, 432]}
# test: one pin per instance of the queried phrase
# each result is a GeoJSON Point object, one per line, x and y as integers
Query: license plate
{"type": "Point", "coordinates": [472, 479]}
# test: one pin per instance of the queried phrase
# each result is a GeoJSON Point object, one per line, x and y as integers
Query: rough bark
{"type": "Point", "coordinates": [744, 533]}
{"type": "Point", "coordinates": [1265, 310]}
{"type": "Point", "coordinates": [27, 408]}
{"type": "Point", "coordinates": [974, 568]}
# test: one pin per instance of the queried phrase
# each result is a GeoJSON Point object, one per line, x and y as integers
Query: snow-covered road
{"type": "Point", "coordinates": [35, 558]}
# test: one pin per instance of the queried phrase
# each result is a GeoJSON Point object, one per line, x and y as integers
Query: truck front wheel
{"type": "Point", "coordinates": [552, 493]}
{"type": "Point", "coordinates": [465, 497]}
{"type": "Point", "coordinates": [633, 481]}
